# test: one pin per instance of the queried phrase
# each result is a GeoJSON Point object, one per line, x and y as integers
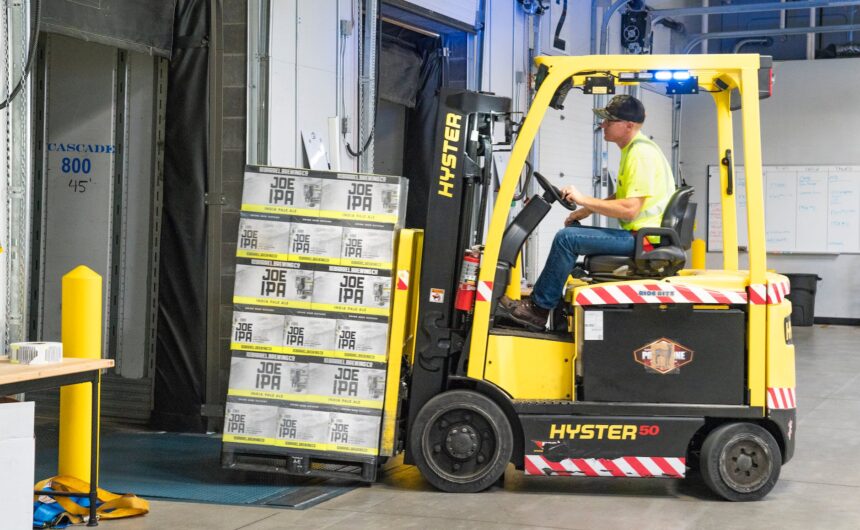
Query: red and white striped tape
{"type": "Point", "coordinates": [402, 280]}
{"type": "Point", "coordinates": [782, 289]}
{"type": "Point", "coordinates": [626, 466]}
{"type": "Point", "coordinates": [652, 293]}
{"type": "Point", "coordinates": [485, 291]}
{"type": "Point", "coordinates": [781, 398]}
{"type": "Point", "coordinates": [757, 293]}
{"type": "Point", "coordinates": [772, 293]}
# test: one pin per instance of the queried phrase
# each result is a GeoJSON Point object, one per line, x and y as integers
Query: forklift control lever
{"type": "Point", "coordinates": [552, 193]}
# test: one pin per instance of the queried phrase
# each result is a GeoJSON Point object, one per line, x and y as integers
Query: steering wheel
{"type": "Point", "coordinates": [554, 193]}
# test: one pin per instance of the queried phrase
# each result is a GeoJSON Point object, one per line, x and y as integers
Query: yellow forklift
{"type": "Point", "coordinates": [655, 370]}
{"type": "Point", "coordinates": [650, 370]}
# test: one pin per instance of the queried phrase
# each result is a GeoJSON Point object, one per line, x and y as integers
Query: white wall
{"type": "Point", "coordinates": [565, 138]}
{"type": "Point", "coordinates": [506, 52]}
{"type": "Point", "coordinates": [304, 56]}
{"type": "Point", "coordinates": [462, 10]}
{"type": "Point", "coordinates": [810, 120]}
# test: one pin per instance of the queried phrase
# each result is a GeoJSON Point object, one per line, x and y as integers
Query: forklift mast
{"type": "Point", "coordinates": [456, 210]}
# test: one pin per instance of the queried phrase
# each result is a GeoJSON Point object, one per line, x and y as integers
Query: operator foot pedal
{"type": "Point", "coordinates": [579, 273]}
{"type": "Point", "coordinates": [558, 319]}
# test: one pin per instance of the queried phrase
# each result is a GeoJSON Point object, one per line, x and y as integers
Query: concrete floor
{"type": "Point", "coordinates": [819, 488]}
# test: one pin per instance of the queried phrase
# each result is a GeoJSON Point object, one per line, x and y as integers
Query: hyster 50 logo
{"type": "Point", "coordinates": [449, 159]}
{"type": "Point", "coordinates": [598, 431]}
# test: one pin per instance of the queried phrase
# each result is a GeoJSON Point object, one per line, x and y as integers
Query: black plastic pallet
{"type": "Point", "coordinates": [302, 464]}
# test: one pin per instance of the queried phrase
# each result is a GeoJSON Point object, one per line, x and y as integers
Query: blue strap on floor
{"type": "Point", "coordinates": [52, 515]}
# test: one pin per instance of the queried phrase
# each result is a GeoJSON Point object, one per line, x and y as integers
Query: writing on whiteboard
{"type": "Point", "coordinates": [807, 208]}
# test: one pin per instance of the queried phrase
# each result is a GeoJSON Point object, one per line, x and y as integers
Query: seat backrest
{"type": "Point", "coordinates": [680, 215]}
{"type": "Point", "coordinates": [687, 225]}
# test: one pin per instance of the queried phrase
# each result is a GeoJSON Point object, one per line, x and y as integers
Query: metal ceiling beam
{"type": "Point", "coordinates": [697, 39]}
{"type": "Point", "coordinates": [660, 14]}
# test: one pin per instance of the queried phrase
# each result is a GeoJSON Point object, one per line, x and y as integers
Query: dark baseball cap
{"type": "Point", "coordinates": [623, 108]}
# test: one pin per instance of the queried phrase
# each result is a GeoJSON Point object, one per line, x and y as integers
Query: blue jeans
{"type": "Point", "coordinates": [569, 243]}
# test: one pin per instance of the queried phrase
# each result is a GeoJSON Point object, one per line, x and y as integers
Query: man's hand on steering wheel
{"type": "Point", "coordinates": [576, 216]}
{"type": "Point", "coordinates": [571, 194]}
{"type": "Point", "coordinates": [553, 192]}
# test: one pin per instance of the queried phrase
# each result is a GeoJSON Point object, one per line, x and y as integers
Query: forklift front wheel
{"type": "Point", "coordinates": [740, 461]}
{"type": "Point", "coordinates": [461, 441]}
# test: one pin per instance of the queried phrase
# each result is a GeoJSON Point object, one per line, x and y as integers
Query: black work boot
{"type": "Point", "coordinates": [526, 313]}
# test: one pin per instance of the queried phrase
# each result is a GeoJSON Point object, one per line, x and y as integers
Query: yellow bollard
{"type": "Point", "coordinates": [514, 289]}
{"type": "Point", "coordinates": [698, 254]}
{"type": "Point", "coordinates": [82, 338]}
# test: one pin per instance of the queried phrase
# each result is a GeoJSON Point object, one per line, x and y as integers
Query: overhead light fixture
{"type": "Point", "coordinates": [677, 81]}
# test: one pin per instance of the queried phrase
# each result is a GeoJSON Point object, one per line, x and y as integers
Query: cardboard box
{"type": "Point", "coordinates": [315, 241]}
{"type": "Point", "coordinates": [369, 337]}
{"type": "Point", "coordinates": [367, 245]}
{"type": "Point", "coordinates": [352, 290]}
{"type": "Point", "coordinates": [263, 236]}
{"type": "Point", "coordinates": [273, 283]}
{"type": "Point", "coordinates": [303, 425]}
{"type": "Point", "coordinates": [353, 433]}
{"type": "Point", "coordinates": [321, 380]}
{"type": "Point", "coordinates": [307, 332]}
{"type": "Point", "coordinates": [17, 462]}
{"type": "Point", "coordinates": [366, 197]}
{"type": "Point", "coordinates": [290, 192]}
{"type": "Point", "coordinates": [257, 331]}
{"type": "Point", "coordinates": [251, 420]}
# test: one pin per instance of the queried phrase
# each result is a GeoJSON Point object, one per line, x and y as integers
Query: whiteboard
{"type": "Point", "coordinates": [807, 209]}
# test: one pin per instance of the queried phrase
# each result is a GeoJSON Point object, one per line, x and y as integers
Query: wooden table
{"type": "Point", "coordinates": [21, 378]}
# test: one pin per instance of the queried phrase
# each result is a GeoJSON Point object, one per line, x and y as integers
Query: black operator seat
{"type": "Point", "coordinates": [667, 257]}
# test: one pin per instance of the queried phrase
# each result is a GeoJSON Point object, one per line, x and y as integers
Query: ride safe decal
{"type": "Point", "coordinates": [663, 356]}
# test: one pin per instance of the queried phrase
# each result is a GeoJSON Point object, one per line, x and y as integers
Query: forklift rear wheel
{"type": "Point", "coordinates": [740, 462]}
{"type": "Point", "coordinates": [461, 441]}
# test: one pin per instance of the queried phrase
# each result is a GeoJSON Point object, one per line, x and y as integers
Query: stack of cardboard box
{"type": "Point", "coordinates": [311, 311]}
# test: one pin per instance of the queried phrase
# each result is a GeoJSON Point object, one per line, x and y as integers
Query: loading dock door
{"type": "Point", "coordinates": [79, 158]}
{"type": "Point", "coordinates": [99, 167]}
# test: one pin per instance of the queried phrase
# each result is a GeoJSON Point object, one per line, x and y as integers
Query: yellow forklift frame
{"type": "Point", "coordinates": [499, 369]}
{"type": "Point", "coordinates": [740, 71]}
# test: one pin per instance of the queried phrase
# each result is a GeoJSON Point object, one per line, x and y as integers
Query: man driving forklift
{"type": "Point", "coordinates": [645, 185]}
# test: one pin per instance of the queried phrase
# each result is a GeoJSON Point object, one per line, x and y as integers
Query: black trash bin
{"type": "Point", "coordinates": [803, 287]}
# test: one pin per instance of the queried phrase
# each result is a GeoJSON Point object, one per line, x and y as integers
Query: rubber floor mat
{"type": "Point", "coordinates": [186, 467]}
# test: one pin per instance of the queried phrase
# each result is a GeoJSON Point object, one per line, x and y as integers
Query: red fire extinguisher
{"type": "Point", "coordinates": [467, 285]}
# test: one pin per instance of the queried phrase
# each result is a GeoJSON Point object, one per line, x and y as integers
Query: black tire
{"type": "Point", "coordinates": [740, 462]}
{"type": "Point", "coordinates": [461, 441]}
